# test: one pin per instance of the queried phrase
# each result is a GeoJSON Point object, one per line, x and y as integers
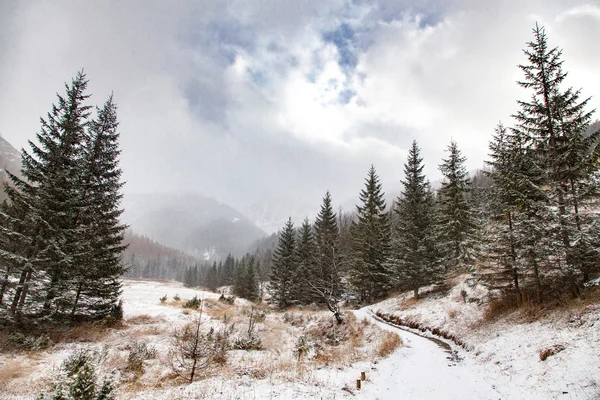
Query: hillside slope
{"type": "Point", "coordinates": [510, 346]}
{"type": "Point", "coordinates": [193, 223]}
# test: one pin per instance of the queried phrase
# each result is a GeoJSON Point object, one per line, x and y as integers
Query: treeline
{"type": "Point", "coordinates": [246, 276]}
{"type": "Point", "coordinates": [527, 225]}
{"type": "Point", "coordinates": [60, 235]}
{"type": "Point", "coordinates": [146, 258]}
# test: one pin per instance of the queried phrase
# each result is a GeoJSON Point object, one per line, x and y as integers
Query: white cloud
{"type": "Point", "coordinates": [242, 100]}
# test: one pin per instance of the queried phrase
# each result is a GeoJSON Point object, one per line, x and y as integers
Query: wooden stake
{"type": "Point", "coordinates": [358, 384]}
{"type": "Point", "coordinates": [363, 376]}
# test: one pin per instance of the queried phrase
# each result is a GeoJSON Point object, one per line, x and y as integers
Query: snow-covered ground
{"type": "Point", "coordinates": [507, 350]}
{"type": "Point", "coordinates": [502, 361]}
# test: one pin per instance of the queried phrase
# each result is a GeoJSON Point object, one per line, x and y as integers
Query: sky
{"type": "Point", "coordinates": [270, 103]}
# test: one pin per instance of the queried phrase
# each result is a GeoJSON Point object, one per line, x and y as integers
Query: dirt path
{"type": "Point", "coordinates": [423, 369]}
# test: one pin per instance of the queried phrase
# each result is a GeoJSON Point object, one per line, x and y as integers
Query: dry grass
{"type": "Point", "coordinates": [87, 332]}
{"type": "Point", "coordinates": [219, 310]}
{"type": "Point", "coordinates": [388, 344]}
{"type": "Point", "coordinates": [408, 304]}
{"type": "Point", "coordinates": [144, 319]}
{"type": "Point", "coordinates": [13, 370]}
{"type": "Point", "coordinates": [550, 351]}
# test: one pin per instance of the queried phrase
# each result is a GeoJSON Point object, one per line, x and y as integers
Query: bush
{"type": "Point", "coordinates": [227, 299]}
{"type": "Point", "coordinates": [302, 347]}
{"type": "Point", "coordinates": [139, 352]}
{"type": "Point", "coordinates": [390, 342]}
{"type": "Point", "coordinates": [251, 342]}
{"type": "Point", "coordinates": [176, 297]}
{"type": "Point", "coordinates": [163, 299]}
{"type": "Point", "coordinates": [550, 351]}
{"type": "Point", "coordinates": [116, 311]}
{"type": "Point", "coordinates": [193, 303]}
{"type": "Point", "coordinates": [79, 379]}
{"type": "Point", "coordinates": [21, 341]}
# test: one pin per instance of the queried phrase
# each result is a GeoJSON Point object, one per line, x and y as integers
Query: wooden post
{"type": "Point", "coordinates": [363, 376]}
{"type": "Point", "coordinates": [358, 384]}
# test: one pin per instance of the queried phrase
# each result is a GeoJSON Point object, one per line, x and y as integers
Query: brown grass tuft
{"type": "Point", "coordinates": [13, 370]}
{"type": "Point", "coordinates": [550, 351]}
{"type": "Point", "coordinates": [389, 342]}
{"type": "Point", "coordinates": [144, 319]}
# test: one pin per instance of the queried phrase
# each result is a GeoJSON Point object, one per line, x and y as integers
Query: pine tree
{"type": "Point", "coordinates": [306, 271]}
{"type": "Point", "coordinates": [415, 260]}
{"type": "Point", "coordinates": [327, 255]}
{"type": "Point", "coordinates": [210, 281]}
{"type": "Point", "coordinates": [99, 264]}
{"type": "Point", "coordinates": [554, 122]}
{"type": "Point", "coordinates": [371, 236]}
{"type": "Point", "coordinates": [49, 202]}
{"type": "Point", "coordinates": [284, 267]}
{"type": "Point", "coordinates": [457, 221]}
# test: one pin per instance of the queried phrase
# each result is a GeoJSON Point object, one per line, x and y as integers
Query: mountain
{"type": "Point", "coordinates": [10, 159]}
{"type": "Point", "coordinates": [193, 223]}
{"type": "Point", "coordinates": [146, 258]}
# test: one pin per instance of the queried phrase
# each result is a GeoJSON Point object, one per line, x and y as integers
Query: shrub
{"type": "Point", "coordinates": [227, 299]}
{"type": "Point", "coordinates": [176, 297]}
{"type": "Point", "coordinates": [550, 351]}
{"type": "Point", "coordinates": [116, 311]}
{"type": "Point", "coordinates": [390, 342]}
{"type": "Point", "coordinates": [163, 299]}
{"type": "Point", "coordinates": [302, 347]}
{"type": "Point", "coordinates": [139, 352]}
{"type": "Point", "coordinates": [21, 341]}
{"type": "Point", "coordinates": [193, 303]}
{"type": "Point", "coordinates": [79, 379]}
{"type": "Point", "coordinates": [196, 350]}
{"type": "Point", "coordinates": [252, 342]}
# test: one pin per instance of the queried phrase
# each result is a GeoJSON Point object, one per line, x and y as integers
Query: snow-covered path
{"type": "Point", "coordinates": [423, 370]}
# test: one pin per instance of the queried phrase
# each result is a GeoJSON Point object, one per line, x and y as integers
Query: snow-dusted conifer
{"type": "Point", "coordinates": [371, 236]}
{"type": "Point", "coordinates": [415, 259]}
{"type": "Point", "coordinates": [284, 266]}
{"type": "Point", "coordinates": [457, 225]}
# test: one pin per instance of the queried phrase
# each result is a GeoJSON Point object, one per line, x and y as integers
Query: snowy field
{"type": "Point", "coordinates": [325, 371]}
{"type": "Point", "coordinates": [502, 360]}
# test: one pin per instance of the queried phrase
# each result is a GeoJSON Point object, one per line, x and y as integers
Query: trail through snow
{"type": "Point", "coordinates": [421, 369]}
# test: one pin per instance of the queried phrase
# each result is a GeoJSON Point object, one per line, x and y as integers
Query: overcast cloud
{"type": "Point", "coordinates": [273, 102]}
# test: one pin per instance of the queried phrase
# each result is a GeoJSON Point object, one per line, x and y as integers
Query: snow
{"type": "Point", "coordinates": [502, 363]}
{"type": "Point", "coordinates": [507, 351]}
{"type": "Point", "coordinates": [423, 370]}
{"type": "Point", "coordinates": [142, 297]}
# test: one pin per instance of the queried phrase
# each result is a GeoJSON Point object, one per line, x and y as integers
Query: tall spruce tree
{"type": "Point", "coordinates": [457, 224]}
{"type": "Point", "coordinates": [60, 231]}
{"type": "Point", "coordinates": [371, 237]}
{"type": "Point", "coordinates": [50, 203]}
{"type": "Point", "coordinates": [284, 266]}
{"type": "Point", "coordinates": [415, 258]}
{"type": "Point", "coordinates": [306, 271]}
{"type": "Point", "coordinates": [554, 122]}
{"type": "Point", "coordinates": [99, 263]}
{"type": "Point", "coordinates": [328, 257]}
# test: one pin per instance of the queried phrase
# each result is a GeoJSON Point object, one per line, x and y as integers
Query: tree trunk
{"type": "Point", "coordinates": [18, 291]}
{"type": "Point", "coordinates": [4, 285]}
{"type": "Point", "coordinates": [416, 293]}
{"type": "Point", "coordinates": [513, 256]}
{"type": "Point", "coordinates": [76, 300]}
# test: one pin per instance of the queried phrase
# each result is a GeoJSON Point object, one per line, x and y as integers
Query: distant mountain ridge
{"type": "Point", "coordinates": [196, 224]}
